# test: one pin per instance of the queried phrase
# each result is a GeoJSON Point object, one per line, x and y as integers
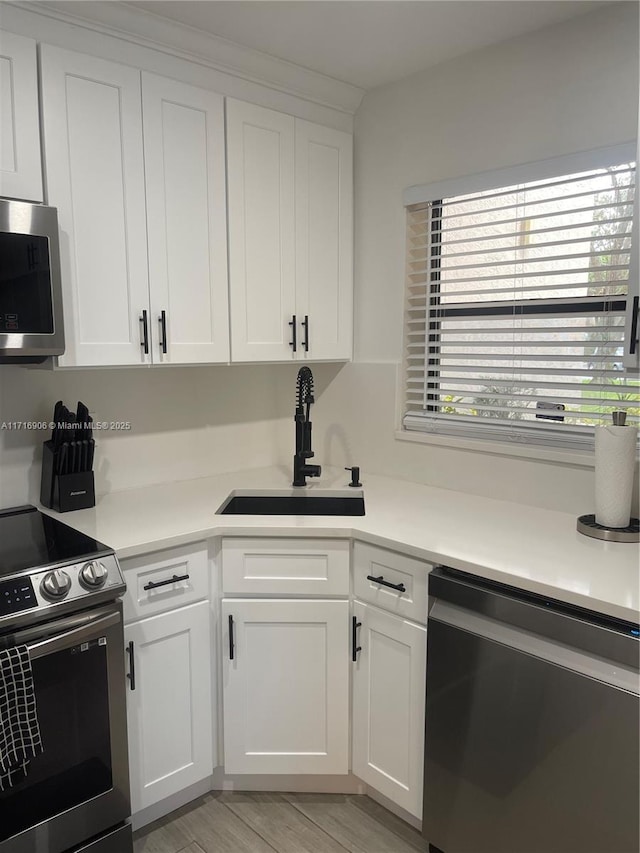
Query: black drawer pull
{"type": "Point", "coordinates": [232, 646]}
{"type": "Point", "coordinates": [354, 638]}
{"type": "Point", "coordinates": [174, 579]}
{"type": "Point", "coordinates": [131, 675]}
{"type": "Point", "coordinates": [305, 326]}
{"type": "Point", "coordinates": [398, 586]}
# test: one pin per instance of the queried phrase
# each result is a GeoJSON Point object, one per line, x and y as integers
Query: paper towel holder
{"type": "Point", "coordinates": [588, 525]}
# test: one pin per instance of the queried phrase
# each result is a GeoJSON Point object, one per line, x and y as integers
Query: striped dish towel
{"type": "Point", "coordinates": [19, 728]}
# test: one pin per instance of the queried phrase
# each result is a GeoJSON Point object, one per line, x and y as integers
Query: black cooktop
{"type": "Point", "coordinates": [30, 540]}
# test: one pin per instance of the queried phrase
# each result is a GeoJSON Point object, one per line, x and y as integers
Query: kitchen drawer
{"type": "Point", "coordinates": [190, 564]}
{"type": "Point", "coordinates": [393, 568]}
{"type": "Point", "coordinates": [286, 566]}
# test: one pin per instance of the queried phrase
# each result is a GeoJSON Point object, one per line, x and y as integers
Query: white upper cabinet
{"type": "Point", "coordinates": [92, 121]}
{"type": "Point", "coordinates": [290, 237]}
{"type": "Point", "coordinates": [20, 161]}
{"type": "Point", "coordinates": [135, 164]}
{"type": "Point", "coordinates": [324, 240]}
{"type": "Point", "coordinates": [136, 169]}
{"type": "Point", "coordinates": [186, 221]}
{"type": "Point", "coordinates": [260, 163]}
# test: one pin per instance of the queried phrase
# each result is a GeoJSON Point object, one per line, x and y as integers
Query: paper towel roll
{"type": "Point", "coordinates": [615, 460]}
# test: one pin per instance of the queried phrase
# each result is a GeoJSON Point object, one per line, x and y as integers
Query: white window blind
{"type": "Point", "coordinates": [516, 308]}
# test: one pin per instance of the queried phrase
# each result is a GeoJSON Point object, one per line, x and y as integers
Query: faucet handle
{"type": "Point", "coordinates": [355, 476]}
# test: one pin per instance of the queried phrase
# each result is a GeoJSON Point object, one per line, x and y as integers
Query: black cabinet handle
{"type": "Point", "coordinates": [162, 319]}
{"type": "Point", "coordinates": [174, 579]}
{"type": "Point", "coordinates": [131, 675]}
{"type": "Point", "coordinates": [294, 334]}
{"type": "Point", "coordinates": [232, 645]}
{"type": "Point", "coordinates": [354, 638]}
{"type": "Point", "coordinates": [634, 327]}
{"type": "Point", "coordinates": [145, 332]}
{"type": "Point", "coordinates": [305, 326]}
{"type": "Point", "coordinates": [400, 587]}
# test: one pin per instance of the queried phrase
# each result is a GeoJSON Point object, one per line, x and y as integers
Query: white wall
{"type": "Point", "coordinates": [567, 88]}
{"type": "Point", "coordinates": [186, 422]}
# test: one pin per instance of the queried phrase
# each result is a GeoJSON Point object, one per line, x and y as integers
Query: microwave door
{"type": "Point", "coordinates": [31, 326]}
{"type": "Point", "coordinates": [25, 285]}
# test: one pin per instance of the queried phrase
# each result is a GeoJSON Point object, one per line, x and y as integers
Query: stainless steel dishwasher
{"type": "Point", "coordinates": [532, 724]}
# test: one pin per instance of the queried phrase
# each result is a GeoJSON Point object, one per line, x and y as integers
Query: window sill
{"type": "Point", "coordinates": [576, 458]}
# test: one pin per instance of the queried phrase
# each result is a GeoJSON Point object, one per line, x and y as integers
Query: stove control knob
{"type": "Point", "coordinates": [93, 575]}
{"type": "Point", "coordinates": [55, 585]}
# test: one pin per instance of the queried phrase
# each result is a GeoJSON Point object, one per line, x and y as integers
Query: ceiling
{"type": "Point", "coordinates": [367, 42]}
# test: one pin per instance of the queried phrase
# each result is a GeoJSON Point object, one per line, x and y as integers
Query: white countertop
{"type": "Point", "coordinates": [534, 549]}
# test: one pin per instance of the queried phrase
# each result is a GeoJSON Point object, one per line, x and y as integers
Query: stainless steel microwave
{"type": "Point", "coordinates": [31, 327]}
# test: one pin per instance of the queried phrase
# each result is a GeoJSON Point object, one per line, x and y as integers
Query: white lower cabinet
{"type": "Point", "coordinates": [169, 703]}
{"type": "Point", "coordinates": [285, 668]}
{"type": "Point", "coordinates": [388, 706]}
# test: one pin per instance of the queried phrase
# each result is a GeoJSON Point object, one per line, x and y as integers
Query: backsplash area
{"type": "Point", "coordinates": [198, 421]}
{"type": "Point", "coordinates": [354, 423]}
{"type": "Point", "coordinates": [185, 423]}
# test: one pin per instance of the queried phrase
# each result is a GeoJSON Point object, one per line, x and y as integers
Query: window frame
{"type": "Point", "coordinates": [530, 441]}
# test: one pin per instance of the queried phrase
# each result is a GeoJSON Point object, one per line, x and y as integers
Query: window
{"type": "Point", "coordinates": [517, 302]}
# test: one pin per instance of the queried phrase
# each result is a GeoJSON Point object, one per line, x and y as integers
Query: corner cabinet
{"type": "Point", "coordinates": [286, 686]}
{"type": "Point", "coordinates": [20, 156]}
{"type": "Point", "coordinates": [135, 166]}
{"type": "Point", "coordinates": [285, 661]}
{"type": "Point", "coordinates": [290, 185]}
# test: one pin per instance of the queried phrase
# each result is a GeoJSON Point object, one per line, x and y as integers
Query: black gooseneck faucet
{"type": "Point", "coordinates": [304, 399]}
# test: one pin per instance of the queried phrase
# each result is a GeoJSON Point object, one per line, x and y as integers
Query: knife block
{"type": "Point", "coordinates": [64, 492]}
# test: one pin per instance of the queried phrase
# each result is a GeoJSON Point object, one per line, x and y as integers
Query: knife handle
{"type": "Point", "coordinates": [62, 459]}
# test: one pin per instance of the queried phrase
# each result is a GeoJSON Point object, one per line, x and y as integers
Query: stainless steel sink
{"type": "Point", "coordinates": [294, 502]}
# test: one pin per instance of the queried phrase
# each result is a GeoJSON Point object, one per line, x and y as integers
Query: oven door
{"type": "Point", "coordinates": [78, 786]}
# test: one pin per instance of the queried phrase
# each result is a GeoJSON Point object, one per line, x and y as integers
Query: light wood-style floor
{"type": "Point", "coordinates": [223, 822]}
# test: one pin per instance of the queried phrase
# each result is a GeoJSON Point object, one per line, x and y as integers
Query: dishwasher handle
{"type": "Point", "coordinates": [615, 674]}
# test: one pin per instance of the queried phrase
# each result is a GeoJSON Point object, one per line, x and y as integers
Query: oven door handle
{"type": "Point", "coordinates": [67, 639]}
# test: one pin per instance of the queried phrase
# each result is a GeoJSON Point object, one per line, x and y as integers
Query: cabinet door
{"type": "Point", "coordinates": [388, 706]}
{"type": "Point", "coordinates": [285, 683]}
{"type": "Point", "coordinates": [95, 177]}
{"type": "Point", "coordinates": [186, 221]}
{"type": "Point", "coordinates": [169, 713]}
{"type": "Point", "coordinates": [324, 240]}
{"type": "Point", "coordinates": [20, 166]}
{"type": "Point", "coordinates": [260, 163]}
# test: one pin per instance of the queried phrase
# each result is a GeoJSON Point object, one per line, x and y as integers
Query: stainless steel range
{"type": "Point", "coordinates": [59, 596]}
